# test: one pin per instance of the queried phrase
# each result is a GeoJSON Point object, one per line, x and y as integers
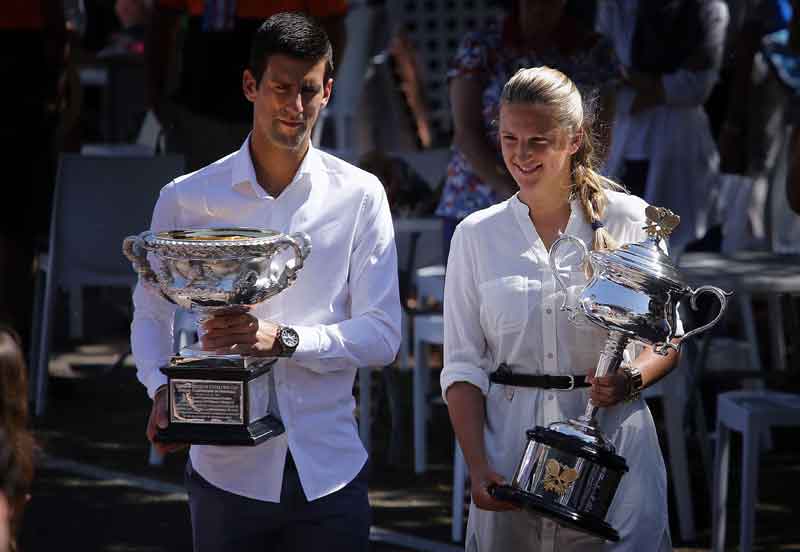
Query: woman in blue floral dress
{"type": "Point", "coordinates": [536, 32]}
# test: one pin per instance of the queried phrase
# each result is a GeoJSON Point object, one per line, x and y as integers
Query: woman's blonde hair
{"type": "Point", "coordinates": [552, 88]}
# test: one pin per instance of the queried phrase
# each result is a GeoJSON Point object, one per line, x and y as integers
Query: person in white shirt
{"type": "Point", "coordinates": [306, 489]}
{"type": "Point", "coordinates": [501, 305]}
{"type": "Point", "coordinates": [662, 147]}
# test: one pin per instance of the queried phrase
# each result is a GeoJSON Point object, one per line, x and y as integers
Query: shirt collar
{"type": "Point", "coordinates": [243, 175]}
{"type": "Point", "coordinates": [574, 205]}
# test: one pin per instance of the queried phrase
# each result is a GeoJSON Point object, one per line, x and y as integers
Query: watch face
{"type": "Point", "coordinates": [289, 338]}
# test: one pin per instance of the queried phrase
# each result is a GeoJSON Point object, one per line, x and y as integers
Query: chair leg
{"type": "Point", "coordinates": [43, 356]}
{"type": "Point", "coordinates": [396, 417]}
{"type": "Point", "coordinates": [750, 453]}
{"type": "Point", "coordinates": [720, 487]}
{"type": "Point", "coordinates": [364, 404]}
{"type": "Point", "coordinates": [704, 441]}
{"type": "Point", "coordinates": [776, 329]}
{"type": "Point", "coordinates": [420, 407]}
{"type": "Point", "coordinates": [678, 461]}
{"type": "Point", "coordinates": [459, 479]}
{"type": "Point", "coordinates": [36, 331]}
{"type": "Point", "coordinates": [76, 312]}
{"type": "Point", "coordinates": [402, 356]}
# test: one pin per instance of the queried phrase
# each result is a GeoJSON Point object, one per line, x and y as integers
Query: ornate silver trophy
{"type": "Point", "coordinates": [569, 470]}
{"type": "Point", "coordinates": [218, 399]}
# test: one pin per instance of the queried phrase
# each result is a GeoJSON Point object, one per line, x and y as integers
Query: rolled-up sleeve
{"type": "Point", "coordinates": [465, 349]}
{"type": "Point", "coordinates": [151, 330]}
{"type": "Point", "coordinates": [371, 336]}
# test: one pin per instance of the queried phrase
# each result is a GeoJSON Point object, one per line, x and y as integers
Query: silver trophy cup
{"type": "Point", "coordinates": [569, 470]}
{"type": "Point", "coordinates": [218, 399]}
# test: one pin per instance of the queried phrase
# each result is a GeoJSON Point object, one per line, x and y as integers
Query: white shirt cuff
{"type": "Point", "coordinates": [312, 341]}
{"type": "Point", "coordinates": [155, 380]}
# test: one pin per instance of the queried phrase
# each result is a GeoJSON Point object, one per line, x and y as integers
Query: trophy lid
{"type": "Point", "coordinates": [646, 258]}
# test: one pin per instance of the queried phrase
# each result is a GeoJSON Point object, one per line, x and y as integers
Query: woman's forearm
{"type": "Point", "coordinates": [653, 366]}
{"type": "Point", "coordinates": [470, 136]}
{"type": "Point", "coordinates": [484, 161]}
{"type": "Point", "coordinates": [467, 409]}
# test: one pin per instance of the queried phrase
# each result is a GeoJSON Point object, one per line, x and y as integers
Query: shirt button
{"type": "Point", "coordinates": [550, 397]}
{"type": "Point", "coordinates": [549, 355]}
{"type": "Point", "coordinates": [549, 311]}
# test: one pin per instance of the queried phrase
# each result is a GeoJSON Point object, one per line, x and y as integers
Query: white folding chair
{"type": "Point", "coordinates": [428, 330]}
{"type": "Point", "coordinates": [97, 202]}
{"type": "Point", "coordinates": [749, 413]}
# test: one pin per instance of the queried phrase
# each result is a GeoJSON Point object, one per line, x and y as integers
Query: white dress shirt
{"type": "Point", "coordinates": [344, 305]}
{"type": "Point", "coordinates": [502, 304]}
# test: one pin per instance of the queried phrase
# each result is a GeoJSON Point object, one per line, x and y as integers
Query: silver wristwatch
{"type": "Point", "coordinates": [288, 339]}
{"type": "Point", "coordinates": [635, 383]}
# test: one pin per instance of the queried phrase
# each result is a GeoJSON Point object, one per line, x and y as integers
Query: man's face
{"type": "Point", "coordinates": [288, 100]}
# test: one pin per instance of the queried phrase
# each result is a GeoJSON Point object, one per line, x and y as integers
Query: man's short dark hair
{"type": "Point", "coordinates": [292, 34]}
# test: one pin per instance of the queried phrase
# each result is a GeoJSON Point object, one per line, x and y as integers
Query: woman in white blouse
{"type": "Point", "coordinates": [502, 306]}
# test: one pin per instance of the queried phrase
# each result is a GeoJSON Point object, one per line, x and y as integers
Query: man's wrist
{"type": "Point", "coordinates": [287, 340]}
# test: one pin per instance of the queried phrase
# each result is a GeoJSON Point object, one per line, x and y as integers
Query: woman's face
{"type": "Point", "coordinates": [539, 16]}
{"type": "Point", "coordinates": [536, 151]}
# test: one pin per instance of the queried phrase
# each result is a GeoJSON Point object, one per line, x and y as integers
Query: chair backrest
{"type": "Point", "coordinates": [430, 164]}
{"type": "Point", "coordinates": [98, 201]}
{"type": "Point", "coordinates": [430, 283]}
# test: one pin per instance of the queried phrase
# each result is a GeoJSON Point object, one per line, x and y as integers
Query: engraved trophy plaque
{"type": "Point", "coordinates": [218, 399]}
{"type": "Point", "coordinates": [569, 470]}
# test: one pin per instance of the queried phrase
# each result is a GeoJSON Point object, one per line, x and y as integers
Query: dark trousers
{"type": "Point", "coordinates": [634, 176]}
{"type": "Point", "coordinates": [226, 522]}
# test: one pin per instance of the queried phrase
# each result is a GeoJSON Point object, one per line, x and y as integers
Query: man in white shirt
{"type": "Point", "coordinates": [306, 489]}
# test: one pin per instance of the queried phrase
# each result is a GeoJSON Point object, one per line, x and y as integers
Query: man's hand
{"type": "Point", "coordinates": [481, 481]}
{"type": "Point", "coordinates": [159, 419]}
{"type": "Point", "coordinates": [241, 333]}
{"type": "Point", "coordinates": [608, 390]}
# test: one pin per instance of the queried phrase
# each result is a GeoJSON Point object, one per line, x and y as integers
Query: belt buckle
{"type": "Point", "coordinates": [508, 390]}
{"type": "Point", "coordinates": [571, 383]}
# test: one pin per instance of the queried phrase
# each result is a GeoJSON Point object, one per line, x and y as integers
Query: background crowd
{"type": "Point", "coordinates": [696, 108]}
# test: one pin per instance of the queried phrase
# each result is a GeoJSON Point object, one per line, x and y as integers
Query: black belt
{"type": "Point", "coordinates": [504, 376]}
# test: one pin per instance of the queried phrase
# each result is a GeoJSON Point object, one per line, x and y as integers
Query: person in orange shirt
{"type": "Point", "coordinates": [206, 116]}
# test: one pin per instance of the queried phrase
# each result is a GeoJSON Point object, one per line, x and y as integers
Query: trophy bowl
{"type": "Point", "coordinates": [219, 399]}
{"type": "Point", "coordinates": [217, 269]}
{"type": "Point", "coordinates": [569, 470]}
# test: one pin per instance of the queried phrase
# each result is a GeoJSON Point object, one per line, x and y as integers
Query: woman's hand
{"type": "Point", "coordinates": [608, 390]}
{"type": "Point", "coordinates": [240, 333]}
{"type": "Point", "coordinates": [481, 481]}
{"type": "Point", "coordinates": [649, 90]}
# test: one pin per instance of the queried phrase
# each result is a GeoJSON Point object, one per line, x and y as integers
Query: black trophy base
{"type": "Point", "coordinates": [251, 434]}
{"type": "Point", "coordinates": [558, 513]}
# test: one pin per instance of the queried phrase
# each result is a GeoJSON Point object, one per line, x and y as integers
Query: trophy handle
{"type": "Point", "coordinates": [133, 248]}
{"type": "Point", "coordinates": [552, 260]}
{"type": "Point", "coordinates": [300, 242]}
{"type": "Point", "coordinates": [722, 296]}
